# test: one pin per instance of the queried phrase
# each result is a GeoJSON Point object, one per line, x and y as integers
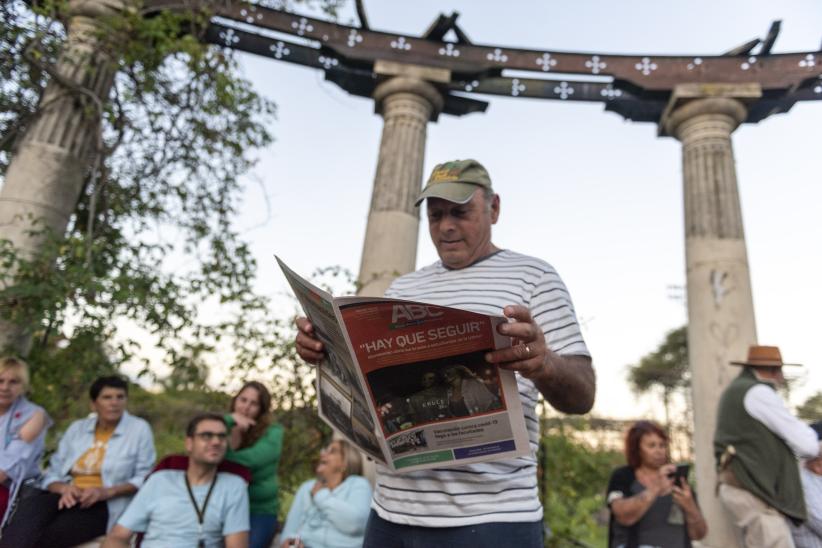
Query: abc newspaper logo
{"type": "Point", "coordinates": [403, 315]}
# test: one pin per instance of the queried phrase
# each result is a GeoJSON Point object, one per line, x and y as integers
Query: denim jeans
{"type": "Point", "coordinates": [380, 533]}
{"type": "Point", "coordinates": [263, 529]}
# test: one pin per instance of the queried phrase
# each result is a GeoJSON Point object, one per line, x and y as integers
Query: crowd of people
{"type": "Point", "coordinates": [103, 480]}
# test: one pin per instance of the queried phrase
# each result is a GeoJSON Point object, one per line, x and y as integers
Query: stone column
{"type": "Point", "coordinates": [406, 103]}
{"type": "Point", "coordinates": [720, 304]}
{"type": "Point", "coordinates": [48, 170]}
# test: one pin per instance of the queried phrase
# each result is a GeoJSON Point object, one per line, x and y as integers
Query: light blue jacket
{"type": "Point", "coordinates": [19, 459]}
{"type": "Point", "coordinates": [129, 456]}
{"type": "Point", "coordinates": [330, 519]}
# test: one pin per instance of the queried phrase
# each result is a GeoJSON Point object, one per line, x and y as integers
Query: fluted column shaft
{"type": "Point", "coordinates": [47, 172]}
{"type": "Point", "coordinates": [390, 248]}
{"type": "Point", "coordinates": [721, 321]}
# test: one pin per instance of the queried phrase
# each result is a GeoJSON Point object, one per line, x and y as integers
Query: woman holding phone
{"type": "Point", "coordinates": [650, 504]}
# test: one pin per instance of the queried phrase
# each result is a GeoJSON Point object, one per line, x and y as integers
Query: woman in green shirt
{"type": "Point", "coordinates": [256, 443]}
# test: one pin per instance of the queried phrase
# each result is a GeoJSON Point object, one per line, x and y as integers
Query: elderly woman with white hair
{"type": "Point", "coordinates": [23, 427]}
{"type": "Point", "coordinates": [331, 510]}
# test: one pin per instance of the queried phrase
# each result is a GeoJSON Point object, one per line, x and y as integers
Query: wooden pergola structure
{"type": "Point", "coordinates": [697, 99]}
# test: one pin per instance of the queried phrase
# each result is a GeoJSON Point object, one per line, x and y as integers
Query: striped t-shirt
{"type": "Point", "coordinates": [504, 490]}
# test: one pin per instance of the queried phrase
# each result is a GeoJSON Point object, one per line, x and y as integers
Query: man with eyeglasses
{"type": "Point", "coordinates": [197, 507]}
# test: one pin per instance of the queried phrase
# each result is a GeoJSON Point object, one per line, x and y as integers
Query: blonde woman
{"type": "Point", "coordinates": [23, 427]}
{"type": "Point", "coordinates": [331, 510]}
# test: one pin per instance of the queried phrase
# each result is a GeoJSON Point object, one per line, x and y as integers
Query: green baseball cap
{"type": "Point", "coordinates": [455, 181]}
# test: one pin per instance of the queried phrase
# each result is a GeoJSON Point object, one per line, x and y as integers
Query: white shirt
{"type": "Point", "coordinates": [764, 404]}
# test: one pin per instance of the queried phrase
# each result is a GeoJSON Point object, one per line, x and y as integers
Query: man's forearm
{"type": "Point", "coordinates": [568, 384]}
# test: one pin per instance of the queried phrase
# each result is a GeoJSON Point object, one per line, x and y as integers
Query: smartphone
{"type": "Point", "coordinates": [681, 474]}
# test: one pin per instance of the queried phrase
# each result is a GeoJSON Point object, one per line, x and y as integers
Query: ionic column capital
{"type": "Point", "coordinates": [409, 86]}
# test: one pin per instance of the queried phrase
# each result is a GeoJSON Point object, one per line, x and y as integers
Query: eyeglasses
{"type": "Point", "coordinates": [208, 436]}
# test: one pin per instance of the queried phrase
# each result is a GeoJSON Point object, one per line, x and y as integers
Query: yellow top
{"type": "Point", "coordinates": [87, 470]}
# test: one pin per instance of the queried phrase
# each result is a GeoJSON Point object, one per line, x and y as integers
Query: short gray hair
{"type": "Point", "coordinates": [489, 194]}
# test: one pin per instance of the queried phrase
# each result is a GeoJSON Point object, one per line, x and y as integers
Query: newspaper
{"type": "Point", "coordinates": [407, 382]}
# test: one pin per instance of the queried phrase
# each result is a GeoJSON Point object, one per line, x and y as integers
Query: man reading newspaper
{"type": "Point", "coordinates": [489, 504]}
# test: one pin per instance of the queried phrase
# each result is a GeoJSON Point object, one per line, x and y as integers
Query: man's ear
{"type": "Point", "coordinates": [189, 444]}
{"type": "Point", "coordinates": [495, 209]}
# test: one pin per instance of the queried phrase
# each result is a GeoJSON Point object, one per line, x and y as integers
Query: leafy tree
{"type": "Point", "coordinates": [666, 369]}
{"type": "Point", "coordinates": [151, 255]}
{"type": "Point", "coordinates": [811, 410]}
{"type": "Point", "coordinates": [179, 130]}
{"type": "Point", "coordinates": [573, 478]}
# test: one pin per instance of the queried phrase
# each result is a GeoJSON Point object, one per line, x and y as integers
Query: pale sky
{"type": "Point", "coordinates": [598, 197]}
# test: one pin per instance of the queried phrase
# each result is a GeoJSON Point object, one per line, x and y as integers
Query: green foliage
{"type": "Point", "coordinates": [169, 411]}
{"type": "Point", "coordinates": [811, 410]}
{"type": "Point", "coordinates": [305, 434]}
{"type": "Point", "coordinates": [573, 478]}
{"type": "Point", "coordinates": [21, 82]}
{"type": "Point", "coordinates": [179, 130]}
{"type": "Point", "coordinates": [151, 257]}
{"type": "Point", "coordinates": [665, 368]}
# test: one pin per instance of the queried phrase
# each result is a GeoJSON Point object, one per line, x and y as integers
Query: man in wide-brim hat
{"type": "Point", "coordinates": [757, 443]}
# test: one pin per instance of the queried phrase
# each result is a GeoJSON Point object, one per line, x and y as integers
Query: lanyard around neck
{"type": "Point", "coordinates": [200, 511]}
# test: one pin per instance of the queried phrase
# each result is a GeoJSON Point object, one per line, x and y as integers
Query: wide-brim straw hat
{"type": "Point", "coordinates": [764, 356]}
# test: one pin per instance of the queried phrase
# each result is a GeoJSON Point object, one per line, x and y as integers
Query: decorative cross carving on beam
{"type": "Point", "coordinates": [564, 90]}
{"type": "Point", "coordinates": [595, 64]}
{"type": "Point", "coordinates": [646, 66]}
{"type": "Point", "coordinates": [633, 86]}
{"type": "Point", "coordinates": [546, 62]}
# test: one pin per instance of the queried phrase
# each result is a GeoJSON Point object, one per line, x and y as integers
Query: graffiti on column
{"type": "Point", "coordinates": [719, 288]}
{"type": "Point", "coordinates": [723, 332]}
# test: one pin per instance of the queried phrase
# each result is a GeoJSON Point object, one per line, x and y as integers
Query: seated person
{"type": "Point", "coordinates": [197, 507]}
{"type": "Point", "coordinates": [331, 510]}
{"type": "Point", "coordinates": [99, 464]}
{"type": "Point", "coordinates": [23, 427]}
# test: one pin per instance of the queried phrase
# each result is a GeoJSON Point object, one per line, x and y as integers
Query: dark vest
{"type": "Point", "coordinates": [763, 463]}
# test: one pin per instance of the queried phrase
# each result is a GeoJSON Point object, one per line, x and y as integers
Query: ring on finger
{"type": "Point", "coordinates": [527, 350]}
